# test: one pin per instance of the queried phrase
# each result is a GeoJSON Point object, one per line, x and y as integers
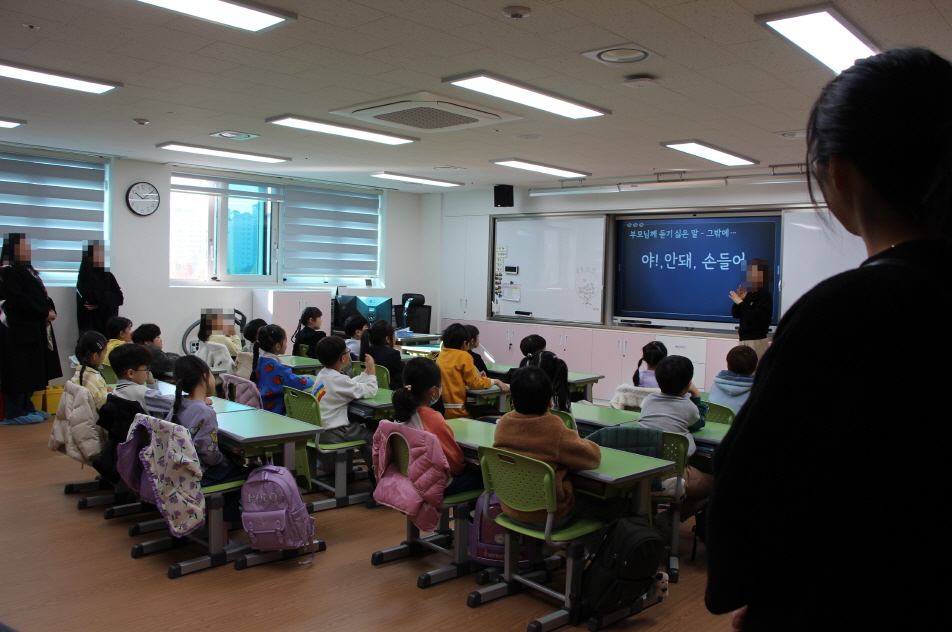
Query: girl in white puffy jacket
{"type": "Point", "coordinates": [91, 353]}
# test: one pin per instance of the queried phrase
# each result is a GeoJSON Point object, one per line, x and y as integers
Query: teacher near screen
{"type": "Point", "coordinates": [754, 307]}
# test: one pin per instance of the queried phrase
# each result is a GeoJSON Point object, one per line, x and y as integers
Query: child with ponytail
{"type": "Point", "coordinates": [308, 331]}
{"type": "Point", "coordinates": [558, 373]}
{"type": "Point", "coordinates": [270, 374]}
{"type": "Point", "coordinates": [651, 354]}
{"type": "Point", "coordinates": [91, 353]}
{"type": "Point", "coordinates": [412, 408]}
{"type": "Point", "coordinates": [378, 343]}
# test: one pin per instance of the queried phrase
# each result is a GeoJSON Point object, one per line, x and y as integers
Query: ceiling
{"type": "Point", "coordinates": [723, 79]}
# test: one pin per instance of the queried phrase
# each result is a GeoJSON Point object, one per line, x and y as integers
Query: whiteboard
{"type": "Point", "coordinates": [561, 267]}
{"type": "Point", "coordinates": [815, 247]}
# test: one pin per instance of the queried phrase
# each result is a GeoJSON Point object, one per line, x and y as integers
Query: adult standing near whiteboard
{"type": "Point", "coordinates": [810, 481]}
{"type": "Point", "coordinates": [98, 295]}
{"type": "Point", "coordinates": [754, 307]}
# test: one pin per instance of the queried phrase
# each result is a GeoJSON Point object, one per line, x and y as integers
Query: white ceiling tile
{"type": "Point", "coordinates": [585, 38]}
{"type": "Point", "coordinates": [328, 57]}
{"type": "Point", "coordinates": [332, 36]}
{"type": "Point", "coordinates": [742, 77]}
{"type": "Point", "coordinates": [766, 118]}
{"type": "Point", "coordinates": [261, 76]}
{"type": "Point", "coordinates": [340, 13]}
{"type": "Point", "coordinates": [172, 57]}
{"type": "Point", "coordinates": [507, 39]}
{"type": "Point", "coordinates": [397, 31]}
{"type": "Point", "coordinates": [14, 35]}
{"type": "Point", "coordinates": [103, 65]}
{"type": "Point", "coordinates": [871, 10]}
{"type": "Point", "coordinates": [926, 28]}
{"type": "Point", "coordinates": [317, 78]}
{"type": "Point", "coordinates": [721, 21]}
{"type": "Point", "coordinates": [248, 57]}
{"type": "Point", "coordinates": [501, 63]}
{"type": "Point", "coordinates": [716, 96]}
{"type": "Point", "coordinates": [411, 81]}
{"type": "Point", "coordinates": [545, 18]}
{"type": "Point", "coordinates": [185, 75]}
{"type": "Point", "coordinates": [52, 10]}
{"type": "Point", "coordinates": [783, 98]}
{"type": "Point", "coordinates": [775, 55]}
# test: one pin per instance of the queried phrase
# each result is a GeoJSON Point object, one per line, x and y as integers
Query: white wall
{"type": "Point", "coordinates": [140, 260]}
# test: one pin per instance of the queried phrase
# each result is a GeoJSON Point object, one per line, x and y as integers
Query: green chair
{"type": "Point", "coordinates": [719, 414]}
{"type": "Point", "coordinates": [566, 417]}
{"type": "Point", "coordinates": [301, 350]}
{"type": "Point", "coordinates": [529, 485]}
{"type": "Point", "coordinates": [459, 504]}
{"type": "Point", "coordinates": [382, 372]}
{"type": "Point", "coordinates": [304, 407]}
{"type": "Point", "coordinates": [109, 374]}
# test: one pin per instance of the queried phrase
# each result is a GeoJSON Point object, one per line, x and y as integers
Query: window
{"type": "Point", "coordinates": [58, 203]}
{"type": "Point", "coordinates": [227, 230]}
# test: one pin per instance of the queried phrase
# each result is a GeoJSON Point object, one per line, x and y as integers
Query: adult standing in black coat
{"type": "Point", "coordinates": [754, 307]}
{"type": "Point", "coordinates": [28, 355]}
{"type": "Point", "coordinates": [98, 295]}
{"type": "Point", "coordinates": [827, 486]}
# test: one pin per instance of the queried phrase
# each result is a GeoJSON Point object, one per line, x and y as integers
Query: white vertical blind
{"type": "Point", "coordinates": [58, 203]}
{"type": "Point", "coordinates": [328, 232]}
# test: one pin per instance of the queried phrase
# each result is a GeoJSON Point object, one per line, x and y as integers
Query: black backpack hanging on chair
{"type": "Point", "coordinates": [624, 565]}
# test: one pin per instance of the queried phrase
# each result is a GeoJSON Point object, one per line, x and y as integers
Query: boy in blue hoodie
{"type": "Point", "coordinates": [731, 387]}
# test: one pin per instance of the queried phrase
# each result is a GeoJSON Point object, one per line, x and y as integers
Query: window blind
{"type": "Point", "coordinates": [328, 232]}
{"type": "Point", "coordinates": [58, 203]}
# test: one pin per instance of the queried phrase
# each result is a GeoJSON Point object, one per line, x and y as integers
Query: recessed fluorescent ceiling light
{"type": "Point", "coordinates": [241, 14]}
{"type": "Point", "coordinates": [710, 152]}
{"type": "Point", "coordinates": [57, 79]}
{"type": "Point", "coordinates": [823, 32]}
{"type": "Point", "coordinates": [291, 120]}
{"type": "Point", "coordinates": [541, 168]}
{"type": "Point", "coordinates": [221, 153]}
{"type": "Point", "coordinates": [389, 175]}
{"type": "Point", "coordinates": [526, 95]}
{"type": "Point", "coordinates": [9, 122]}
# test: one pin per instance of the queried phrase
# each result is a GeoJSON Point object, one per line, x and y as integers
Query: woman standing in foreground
{"type": "Point", "coordinates": [821, 511]}
{"type": "Point", "coordinates": [28, 355]}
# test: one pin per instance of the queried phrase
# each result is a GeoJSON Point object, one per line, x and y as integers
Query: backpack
{"type": "Point", "coordinates": [273, 513]}
{"type": "Point", "coordinates": [623, 567]}
{"type": "Point", "coordinates": [486, 538]}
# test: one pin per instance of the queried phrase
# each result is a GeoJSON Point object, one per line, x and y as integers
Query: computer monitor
{"type": "Point", "coordinates": [345, 308]}
{"type": "Point", "coordinates": [373, 308]}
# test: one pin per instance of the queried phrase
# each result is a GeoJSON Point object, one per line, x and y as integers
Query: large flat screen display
{"type": "Point", "coordinates": [684, 268]}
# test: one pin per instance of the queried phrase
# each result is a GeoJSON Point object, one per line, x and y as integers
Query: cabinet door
{"type": "Point", "coordinates": [287, 310]}
{"type": "Point", "coordinates": [575, 347]}
{"type": "Point", "coordinates": [453, 247]}
{"type": "Point", "coordinates": [495, 339]}
{"type": "Point", "coordinates": [717, 349]}
{"type": "Point", "coordinates": [693, 348]}
{"type": "Point", "coordinates": [476, 272]}
{"type": "Point", "coordinates": [606, 354]}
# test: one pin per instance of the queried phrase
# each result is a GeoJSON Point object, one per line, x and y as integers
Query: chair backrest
{"type": "Point", "coordinates": [300, 350]}
{"type": "Point", "coordinates": [634, 439]}
{"type": "Point", "coordinates": [302, 406]}
{"type": "Point", "coordinates": [242, 391]}
{"type": "Point", "coordinates": [356, 368]}
{"type": "Point", "coordinates": [400, 452]}
{"type": "Point", "coordinates": [674, 447]}
{"type": "Point", "coordinates": [109, 374]}
{"type": "Point", "coordinates": [520, 482]}
{"type": "Point", "coordinates": [719, 414]}
{"type": "Point", "coordinates": [566, 417]}
{"type": "Point", "coordinates": [382, 372]}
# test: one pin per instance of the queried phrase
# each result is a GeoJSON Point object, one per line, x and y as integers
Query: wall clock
{"type": "Point", "coordinates": [142, 198]}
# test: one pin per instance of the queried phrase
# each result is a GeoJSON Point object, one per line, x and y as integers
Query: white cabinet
{"type": "Point", "coordinates": [615, 355]}
{"type": "Point", "coordinates": [465, 269]}
{"type": "Point", "coordinates": [693, 348]}
{"type": "Point", "coordinates": [284, 307]}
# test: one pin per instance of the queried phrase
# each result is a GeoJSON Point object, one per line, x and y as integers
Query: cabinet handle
{"type": "Point", "coordinates": [566, 340]}
{"type": "Point", "coordinates": [461, 303]}
{"type": "Point", "coordinates": [618, 344]}
{"type": "Point", "coordinates": [626, 346]}
{"type": "Point", "coordinates": [467, 304]}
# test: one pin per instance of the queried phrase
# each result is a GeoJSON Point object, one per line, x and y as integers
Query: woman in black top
{"type": "Point", "coordinates": [754, 308]}
{"type": "Point", "coordinates": [98, 295]}
{"type": "Point", "coordinates": [378, 342]}
{"type": "Point", "coordinates": [807, 528]}
{"type": "Point", "coordinates": [28, 355]}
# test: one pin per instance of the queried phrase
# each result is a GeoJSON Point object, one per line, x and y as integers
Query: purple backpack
{"type": "Point", "coordinates": [486, 538]}
{"type": "Point", "coordinates": [273, 513]}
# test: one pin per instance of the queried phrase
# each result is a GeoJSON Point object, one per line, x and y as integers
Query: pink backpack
{"type": "Point", "coordinates": [273, 513]}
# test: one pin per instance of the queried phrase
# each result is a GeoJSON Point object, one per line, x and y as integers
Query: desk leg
{"type": "Point", "coordinates": [641, 498]}
{"type": "Point", "coordinates": [588, 392]}
{"type": "Point", "coordinates": [501, 403]}
{"type": "Point", "coordinates": [289, 457]}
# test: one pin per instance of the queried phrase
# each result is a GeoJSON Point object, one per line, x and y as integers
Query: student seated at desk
{"type": "Point", "coordinates": [651, 354]}
{"type": "Point", "coordinates": [378, 343]}
{"type": "Point", "coordinates": [335, 390]}
{"type": "Point", "coordinates": [131, 364]}
{"type": "Point", "coordinates": [459, 372]}
{"type": "Point", "coordinates": [91, 352]}
{"type": "Point", "coordinates": [671, 411]}
{"type": "Point", "coordinates": [251, 333]}
{"type": "Point", "coordinates": [354, 327]}
{"type": "Point", "coordinates": [478, 360]}
{"type": "Point", "coordinates": [412, 408]}
{"type": "Point", "coordinates": [531, 430]}
{"type": "Point", "coordinates": [119, 332]}
{"type": "Point", "coordinates": [558, 373]}
{"type": "Point", "coordinates": [270, 374]}
{"type": "Point", "coordinates": [531, 344]}
{"type": "Point", "coordinates": [224, 332]}
{"type": "Point", "coordinates": [194, 412]}
{"type": "Point", "coordinates": [151, 336]}
{"type": "Point", "coordinates": [214, 354]}
{"type": "Point", "coordinates": [731, 387]}
{"type": "Point", "coordinates": [308, 331]}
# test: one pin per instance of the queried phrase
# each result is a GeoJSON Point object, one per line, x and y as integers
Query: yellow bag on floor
{"type": "Point", "coordinates": [53, 395]}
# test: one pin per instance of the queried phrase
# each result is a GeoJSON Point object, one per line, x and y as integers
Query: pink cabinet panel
{"type": "Point", "coordinates": [607, 359]}
{"type": "Point", "coordinates": [716, 358]}
{"type": "Point", "coordinates": [574, 345]}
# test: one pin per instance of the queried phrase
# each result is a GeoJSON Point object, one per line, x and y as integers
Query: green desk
{"type": "Point", "coordinates": [426, 351]}
{"type": "Point", "coordinates": [253, 431]}
{"type": "Point", "coordinates": [704, 396]}
{"type": "Point", "coordinates": [419, 339]}
{"type": "Point", "coordinates": [406, 357]}
{"type": "Point", "coordinates": [618, 470]}
{"type": "Point", "coordinates": [492, 396]}
{"type": "Point", "coordinates": [578, 382]}
{"type": "Point", "coordinates": [378, 407]}
{"type": "Point", "coordinates": [589, 418]}
{"type": "Point", "coordinates": [297, 362]}
{"type": "Point", "coordinates": [710, 435]}
{"type": "Point", "coordinates": [220, 405]}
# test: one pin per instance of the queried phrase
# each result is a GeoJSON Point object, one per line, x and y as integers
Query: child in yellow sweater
{"type": "Point", "coordinates": [459, 372]}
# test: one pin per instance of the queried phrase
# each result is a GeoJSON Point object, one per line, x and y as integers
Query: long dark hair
{"type": "Point", "coordinates": [88, 270]}
{"type": "Point", "coordinates": [891, 116]}
{"type": "Point", "coordinates": [652, 353]}
{"type": "Point", "coordinates": [206, 324]}
{"type": "Point", "coordinates": [558, 373]}
{"type": "Point", "coordinates": [251, 329]}
{"type": "Point", "coordinates": [306, 316]}
{"type": "Point", "coordinates": [7, 254]}
{"type": "Point", "coordinates": [376, 336]}
{"type": "Point", "coordinates": [116, 325]}
{"type": "Point", "coordinates": [189, 371]}
{"type": "Point", "coordinates": [419, 376]}
{"type": "Point", "coordinates": [88, 344]}
{"type": "Point", "coordinates": [269, 337]}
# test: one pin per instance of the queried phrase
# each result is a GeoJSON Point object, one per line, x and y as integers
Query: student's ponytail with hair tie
{"type": "Point", "coordinates": [419, 375]}
{"type": "Point", "coordinates": [178, 401]}
{"type": "Point", "coordinates": [636, 378]}
{"type": "Point", "coordinates": [652, 353]}
{"type": "Point", "coordinates": [254, 356]}
{"type": "Point", "coordinates": [306, 316]}
{"type": "Point", "coordinates": [188, 371]}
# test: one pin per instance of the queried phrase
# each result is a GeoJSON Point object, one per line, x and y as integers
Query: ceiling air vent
{"type": "Point", "coordinates": [426, 112]}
